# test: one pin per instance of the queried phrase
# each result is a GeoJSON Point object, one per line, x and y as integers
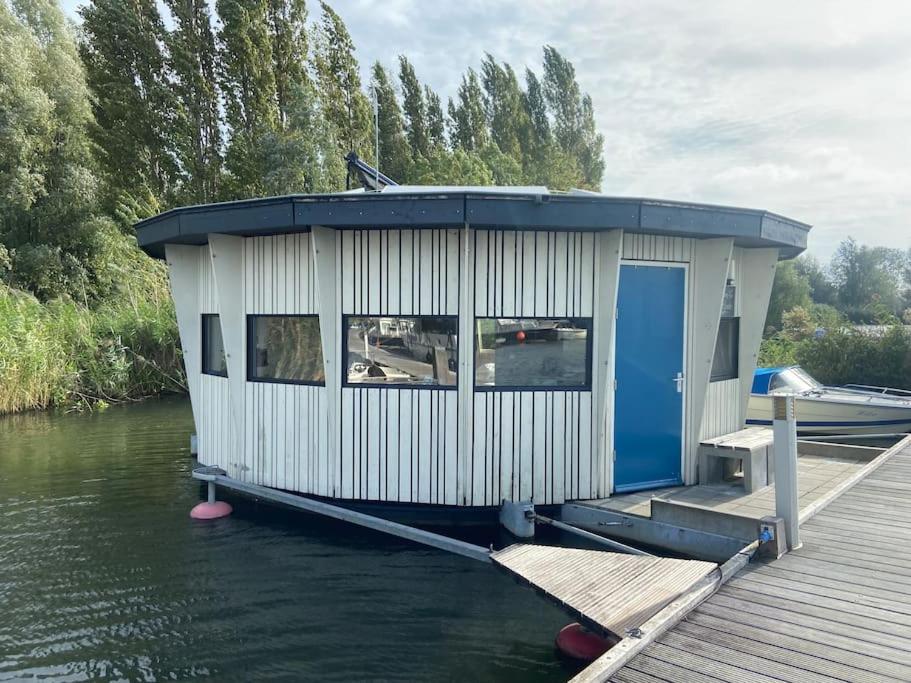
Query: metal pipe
{"type": "Point", "coordinates": [452, 545]}
{"type": "Point", "coordinates": [589, 536]}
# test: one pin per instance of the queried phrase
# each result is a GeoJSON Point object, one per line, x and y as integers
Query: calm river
{"type": "Point", "coordinates": [104, 576]}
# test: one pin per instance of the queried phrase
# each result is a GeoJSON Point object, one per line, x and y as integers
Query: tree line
{"type": "Point", "coordinates": [133, 112]}
{"type": "Point", "coordinates": [860, 285]}
{"type": "Point", "coordinates": [817, 316]}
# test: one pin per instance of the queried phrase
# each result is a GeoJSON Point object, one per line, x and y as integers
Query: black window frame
{"type": "Point", "coordinates": [251, 350]}
{"type": "Point", "coordinates": [715, 376]}
{"type": "Point", "coordinates": [204, 344]}
{"type": "Point", "coordinates": [395, 385]}
{"type": "Point", "coordinates": [589, 356]}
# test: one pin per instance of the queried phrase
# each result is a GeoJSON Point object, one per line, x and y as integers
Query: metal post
{"type": "Point", "coordinates": [211, 492]}
{"type": "Point", "coordinates": [784, 431]}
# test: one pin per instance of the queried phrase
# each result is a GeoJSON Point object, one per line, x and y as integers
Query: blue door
{"type": "Point", "coordinates": [648, 414]}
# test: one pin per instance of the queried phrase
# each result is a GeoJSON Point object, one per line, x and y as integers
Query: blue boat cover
{"type": "Point", "coordinates": [762, 377]}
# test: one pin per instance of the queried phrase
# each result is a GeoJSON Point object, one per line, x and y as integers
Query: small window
{"type": "Point", "coordinates": [213, 347]}
{"type": "Point", "coordinates": [533, 353]}
{"type": "Point", "coordinates": [285, 349]}
{"type": "Point", "coordinates": [397, 351]}
{"type": "Point", "coordinates": [727, 350]}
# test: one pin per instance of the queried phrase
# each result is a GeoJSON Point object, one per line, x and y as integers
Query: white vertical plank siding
{"type": "Point", "coordinates": [399, 444]}
{"type": "Point", "coordinates": [285, 440]}
{"type": "Point", "coordinates": [215, 431]}
{"type": "Point", "coordinates": [528, 444]}
{"type": "Point", "coordinates": [657, 248]}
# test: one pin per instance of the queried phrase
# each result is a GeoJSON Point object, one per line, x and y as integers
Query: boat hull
{"type": "Point", "coordinates": [835, 415]}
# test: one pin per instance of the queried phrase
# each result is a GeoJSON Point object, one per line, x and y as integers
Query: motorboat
{"type": "Point", "coordinates": [849, 409]}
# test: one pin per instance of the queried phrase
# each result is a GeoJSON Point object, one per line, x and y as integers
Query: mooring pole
{"type": "Point", "coordinates": [784, 432]}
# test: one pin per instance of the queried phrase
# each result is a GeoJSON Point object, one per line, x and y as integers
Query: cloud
{"type": "Point", "coordinates": [802, 108]}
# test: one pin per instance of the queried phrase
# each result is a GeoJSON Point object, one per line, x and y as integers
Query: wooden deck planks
{"type": "Point", "coordinates": [614, 591]}
{"type": "Point", "coordinates": [837, 609]}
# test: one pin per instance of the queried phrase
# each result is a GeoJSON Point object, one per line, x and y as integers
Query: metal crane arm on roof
{"type": "Point", "coordinates": [370, 177]}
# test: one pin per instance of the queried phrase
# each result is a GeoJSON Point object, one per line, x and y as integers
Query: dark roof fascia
{"type": "Point", "coordinates": [296, 213]}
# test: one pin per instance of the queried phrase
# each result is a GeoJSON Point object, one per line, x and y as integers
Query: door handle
{"type": "Point", "coordinates": [680, 379]}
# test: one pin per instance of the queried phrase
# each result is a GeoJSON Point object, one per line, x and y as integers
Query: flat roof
{"type": "Point", "coordinates": [510, 208]}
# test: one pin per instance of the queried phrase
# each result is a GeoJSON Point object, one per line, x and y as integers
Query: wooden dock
{"type": "Point", "coordinates": [836, 609]}
{"type": "Point", "coordinates": [606, 590]}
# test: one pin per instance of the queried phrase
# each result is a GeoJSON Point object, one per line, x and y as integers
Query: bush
{"type": "Point", "coordinates": [844, 355]}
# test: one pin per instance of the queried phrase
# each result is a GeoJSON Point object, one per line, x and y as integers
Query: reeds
{"type": "Point", "coordinates": [62, 353]}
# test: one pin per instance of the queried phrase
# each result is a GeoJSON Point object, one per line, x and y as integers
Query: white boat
{"type": "Point", "coordinates": [852, 409]}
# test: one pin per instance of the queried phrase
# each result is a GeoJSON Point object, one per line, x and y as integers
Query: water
{"type": "Point", "coordinates": [104, 576]}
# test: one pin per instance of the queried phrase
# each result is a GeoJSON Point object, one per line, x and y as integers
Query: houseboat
{"type": "Point", "coordinates": [453, 348]}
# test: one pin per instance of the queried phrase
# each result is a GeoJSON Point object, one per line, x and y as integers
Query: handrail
{"type": "Point", "coordinates": [885, 391]}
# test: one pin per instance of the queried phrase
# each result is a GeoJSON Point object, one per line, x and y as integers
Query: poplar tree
{"type": "Point", "coordinates": [503, 104]}
{"type": "Point", "coordinates": [288, 31]}
{"type": "Point", "coordinates": [248, 83]}
{"type": "Point", "coordinates": [414, 109]}
{"type": "Point", "coordinates": [197, 136]}
{"type": "Point", "coordinates": [468, 122]}
{"type": "Point", "coordinates": [134, 106]}
{"type": "Point", "coordinates": [395, 155]}
{"type": "Point", "coordinates": [345, 105]}
{"type": "Point", "coordinates": [573, 116]}
{"type": "Point", "coordinates": [436, 122]}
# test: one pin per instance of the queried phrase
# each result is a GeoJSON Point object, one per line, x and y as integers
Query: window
{"type": "Point", "coordinates": [414, 351]}
{"type": "Point", "coordinates": [533, 353]}
{"type": "Point", "coordinates": [284, 348]}
{"type": "Point", "coordinates": [727, 350]}
{"type": "Point", "coordinates": [213, 347]}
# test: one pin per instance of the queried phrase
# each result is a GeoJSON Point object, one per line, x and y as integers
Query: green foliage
{"type": "Point", "coordinates": [63, 354]}
{"type": "Point", "coordinates": [789, 290]}
{"type": "Point", "coordinates": [197, 130]}
{"type": "Point", "coordinates": [574, 122]}
{"type": "Point", "coordinates": [395, 154]}
{"type": "Point", "coordinates": [503, 101]}
{"type": "Point", "coordinates": [49, 220]}
{"type": "Point", "coordinates": [345, 105]}
{"type": "Point", "coordinates": [468, 123]}
{"type": "Point", "coordinates": [822, 290]}
{"type": "Point", "coordinates": [844, 355]}
{"type": "Point", "coordinates": [133, 104]}
{"type": "Point", "coordinates": [414, 109]}
{"type": "Point", "coordinates": [868, 280]}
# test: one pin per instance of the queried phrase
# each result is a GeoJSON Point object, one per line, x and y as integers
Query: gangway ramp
{"type": "Point", "coordinates": [611, 591]}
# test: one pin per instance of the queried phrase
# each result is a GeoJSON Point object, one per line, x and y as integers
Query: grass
{"type": "Point", "coordinates": [64, 354]}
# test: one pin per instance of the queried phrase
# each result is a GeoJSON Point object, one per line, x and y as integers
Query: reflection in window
{"type": "Point", "coordinates": [727, 347]}
{"type": "Point", "coordinates": [412, 351]}
{"type": "Point", "coordinates": [285, 349]}
{"type": "Point", "coordinates": [213, 347]}
{"type": "Point", "coordinates": [533, 352]}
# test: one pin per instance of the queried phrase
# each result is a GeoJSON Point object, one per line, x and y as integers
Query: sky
{"type": "Point", "coordinates": [802, 108]}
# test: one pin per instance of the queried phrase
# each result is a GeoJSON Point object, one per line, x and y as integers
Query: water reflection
{"type": "Point", "coordinates": [419, 350]}
{"type": "Point", "coordinates": [102, 575]}
{"type": "Point", "coordinates": [533, 352]}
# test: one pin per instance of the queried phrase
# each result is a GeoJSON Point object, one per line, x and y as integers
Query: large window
{"type": "Point", "coordinates": [284, 349]}
{"type": "Point", "coordinates": [533, 353]}
{"type": "Point", "coordinates": [213, 347]}
{"type": "Point", "coordinates": [397, 351]}
{"type": "Point", "coordinates": [727, 350]}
